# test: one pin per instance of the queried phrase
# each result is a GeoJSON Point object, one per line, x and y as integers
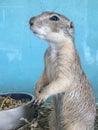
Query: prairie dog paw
{"type": "Point", "coordinates": [40, 99]}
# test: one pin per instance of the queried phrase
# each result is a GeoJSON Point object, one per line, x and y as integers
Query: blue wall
{"type": "Point", "coordinates": [21, 53]}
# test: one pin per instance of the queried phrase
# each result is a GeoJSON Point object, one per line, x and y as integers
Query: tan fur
{"type": "Point", "coordinates": [63, 77]}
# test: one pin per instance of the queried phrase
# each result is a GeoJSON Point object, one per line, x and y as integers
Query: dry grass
{"type": "Point", "coordinates": [41, 123]}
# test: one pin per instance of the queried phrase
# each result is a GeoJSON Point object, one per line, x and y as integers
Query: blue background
{"type": "Point", "coordinates": [21, 53]}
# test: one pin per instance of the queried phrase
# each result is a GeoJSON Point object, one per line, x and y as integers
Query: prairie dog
{"type": "Point", "coordinates": [63, 77]}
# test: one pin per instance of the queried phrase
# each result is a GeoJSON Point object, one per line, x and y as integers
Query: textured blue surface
{"type": "Point", "coordinates": [21, 53]}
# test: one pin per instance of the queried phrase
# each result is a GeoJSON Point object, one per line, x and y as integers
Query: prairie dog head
{"type": "Point", "coordinates": [52, 27]}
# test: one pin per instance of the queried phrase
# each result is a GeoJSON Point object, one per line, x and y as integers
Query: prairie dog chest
{"type": "Point", "coordinates": [51, 63]}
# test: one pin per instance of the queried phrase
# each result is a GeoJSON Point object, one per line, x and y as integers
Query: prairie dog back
{"type": "Point", "coordinates": [63, 77]}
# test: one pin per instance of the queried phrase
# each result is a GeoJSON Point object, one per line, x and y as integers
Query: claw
{"type": "Point", "coordinates": [42, 102]}
{"type": "Point", "coordinates": [37, 102]}
{"type": "Point", "coordinates": [34, 103]}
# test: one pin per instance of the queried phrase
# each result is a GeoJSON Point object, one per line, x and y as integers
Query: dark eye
{"type": "Point", "coordinates": [54, 18]}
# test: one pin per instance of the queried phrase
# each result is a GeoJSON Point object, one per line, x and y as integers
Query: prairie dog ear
{"type": "Point", "coordinates": [70, 29]}
{"type": "Point", "coordinates": [71, 25]}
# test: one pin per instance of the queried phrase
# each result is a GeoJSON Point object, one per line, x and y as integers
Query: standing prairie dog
{"type": "Point", "coordinates": [63, 77]}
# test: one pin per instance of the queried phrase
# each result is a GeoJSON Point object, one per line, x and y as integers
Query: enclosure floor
{"type": "Point", "coordinates": [41, 123]}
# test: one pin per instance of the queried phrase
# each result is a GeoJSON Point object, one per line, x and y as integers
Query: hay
{"type": "Point", "coordinates": [41, 122]}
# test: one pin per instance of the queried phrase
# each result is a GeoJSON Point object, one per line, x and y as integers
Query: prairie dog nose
{"type": "Point", "coordinates": [31, 21]}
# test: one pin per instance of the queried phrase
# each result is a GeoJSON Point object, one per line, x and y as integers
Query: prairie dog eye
{"type": "Point", "coordinates": [54, 18]}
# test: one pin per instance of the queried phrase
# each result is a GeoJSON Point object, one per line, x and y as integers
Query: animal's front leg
{"type": "Point", "coordinates": [55, 87]}
{"type": "Point", "coordinates": [39, 85]}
